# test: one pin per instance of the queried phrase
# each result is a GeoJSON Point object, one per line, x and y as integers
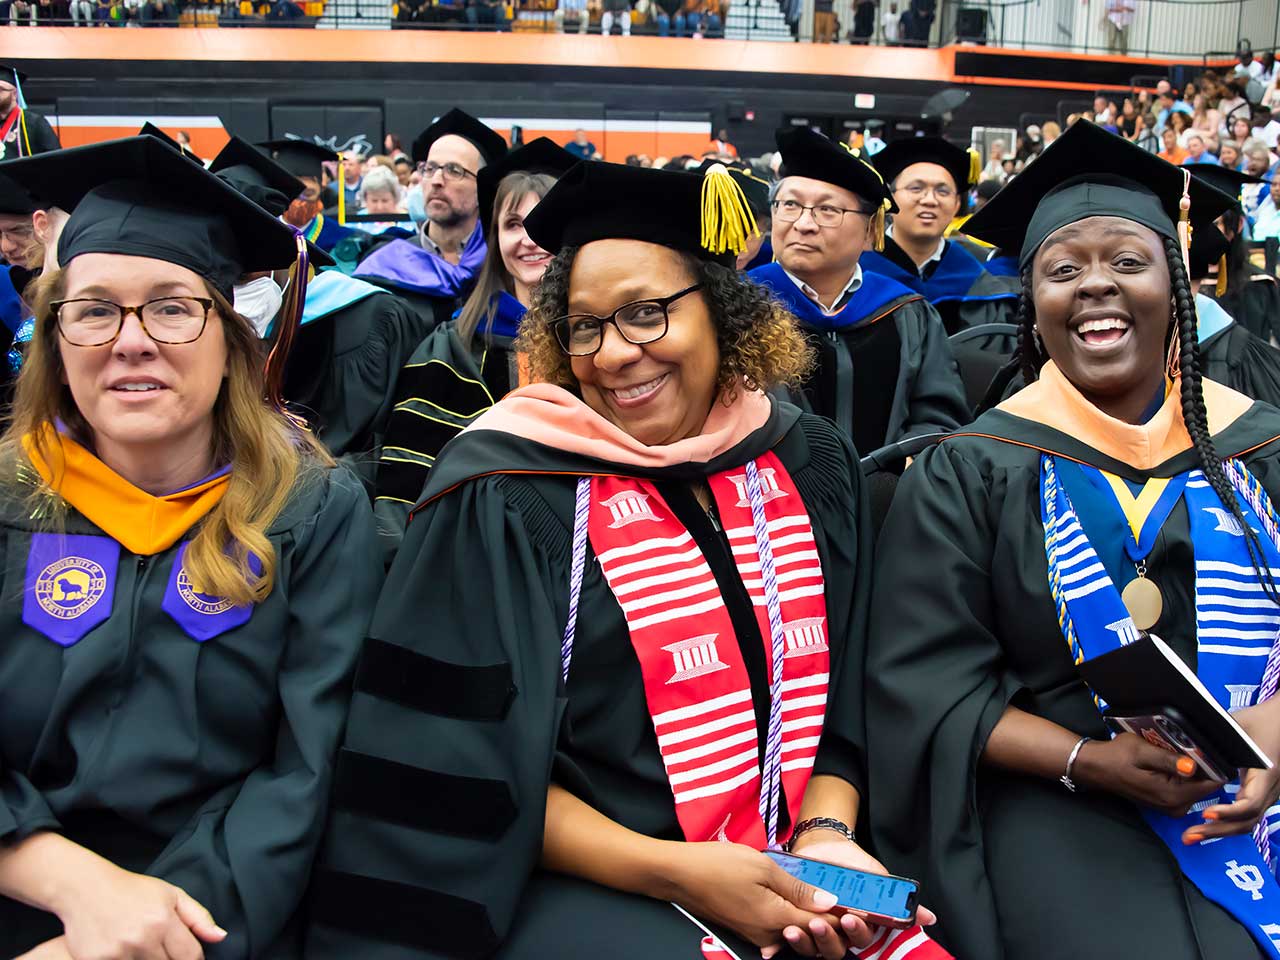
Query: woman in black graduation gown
{"type": "Point", "coordinates": [485, 804]}
{"type": "Point", "coordinates": [975, 710]}
{"type": "Point", "coordinates": [467, 363]}
{"type": "Point", "coordinates": [186, 584]}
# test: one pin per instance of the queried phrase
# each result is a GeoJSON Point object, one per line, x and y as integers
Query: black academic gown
{"type": "Point", "coordinates": [443, 388]}
{"type": "Point", "coordinates": [879, 381]}
{"type": "Point", "coordinates": [346, 360]}
{"type": "Point", "coordinates": [36, 137]}
{"type": "Point", "coordinates": [460, 719]}
{"type": "Point", "coordinates": [1016, 867]}
{"type": "Point", "coordinates": [206, 764]}
{"type": "Point", "coordinates": [1256, 305]}
{"type": "Point", "coordinates": [1243, 362]}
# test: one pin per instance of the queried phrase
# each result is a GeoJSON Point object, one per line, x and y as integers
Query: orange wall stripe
{"type": "Point", "coordinates": [445, 46]}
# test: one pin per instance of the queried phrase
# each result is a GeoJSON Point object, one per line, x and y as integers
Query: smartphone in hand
{"type": "Point", "coordinates": [886, 901]}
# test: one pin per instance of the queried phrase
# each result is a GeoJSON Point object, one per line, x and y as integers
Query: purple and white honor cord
{"type": "Point", "coordinates": [771, 776]}
{"type": "Point", "coordinates": [581, 508]}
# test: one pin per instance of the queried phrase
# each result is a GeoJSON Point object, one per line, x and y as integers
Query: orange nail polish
{"type": "Point", "coordinates": [1186, 766]}
{"type": "Point", "coordinates": [1210, 815]}
{"type": "Point", "coordinates": [1192, 838]}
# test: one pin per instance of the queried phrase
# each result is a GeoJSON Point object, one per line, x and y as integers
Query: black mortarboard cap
{"type": "Point", "coordinates": [1088, 172]}
{"type": "Point", "coordinates": [491, 145]}
{"type": "Point", "coordinates": [753, 188]}
{"type": "Point", "coordinates": [245, 166]}
{"type": "Point", "coordinates": [807, 153]}
{"type": "Point", "coordinates": [900, 154]}
{"type": "Point", "coordinates": [1229, 181]}
{"type": "Point", "coordinates": [149, 129]}
{"type": "Point", "coordinates": [302, 158]}
{"type": "Point", "coordinates": [8, 74]}
{"type": "Point", "coordinates": [606, 201]}
{"type": "Point", "coordinates": [542, 155]}
{"type": "Point", "coordinates": [138, 197]}
{"type": "Point", "coordinates": [265, 182]}
{"type": "Point", "coordinates": [14, 200]}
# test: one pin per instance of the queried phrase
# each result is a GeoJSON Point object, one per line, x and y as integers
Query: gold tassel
{"type": "Point", "coordinates": [1220, 288]}
{"type": "Point", "coordinates": [727, 220]}
{"type": "Point", "coordinates": [975, 167]}
{"type": "Point", "coordinates": [877, 228]}
{"type": "Point", "coordinates": [342, 192]}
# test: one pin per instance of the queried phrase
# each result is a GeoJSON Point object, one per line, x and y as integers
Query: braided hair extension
{"type": "Point", "coordinates": [1030, 357]}
{"type": "Point", "coordinates": [1196, 417]}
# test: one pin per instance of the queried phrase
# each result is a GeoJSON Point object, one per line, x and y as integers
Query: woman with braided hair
{"type": "Point", "coordinates": [1119, 492]}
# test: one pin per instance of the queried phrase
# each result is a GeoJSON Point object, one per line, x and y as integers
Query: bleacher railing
{"type": "Point", "coordinates": [1157, 29]}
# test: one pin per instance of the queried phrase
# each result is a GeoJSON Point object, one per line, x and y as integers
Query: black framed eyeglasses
{"type": "Point", "coordinates": [451, 171]}
{"type": "Point", "coordinates": [85, 322]}
{"type": "Point", "coordinates": [824, 214]}
{"type": "Point", "coordinates": [638, 322]}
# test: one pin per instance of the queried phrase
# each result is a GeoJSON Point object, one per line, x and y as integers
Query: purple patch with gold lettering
{"type": "Point", "coordinates": [200, 615]}
{"type": "Point", "coordinates": [70, 586]}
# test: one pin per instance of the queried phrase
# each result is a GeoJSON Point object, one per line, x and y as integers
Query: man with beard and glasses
{"type": "Point", "coordinates": [305, 160]}
{"type": "Point", "coordinates": [22, 131]}
{"type": "Point", "coordinates": [442, 261]}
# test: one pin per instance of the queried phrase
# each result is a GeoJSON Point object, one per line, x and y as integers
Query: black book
{"type": "Point", "coordinates": [1150, 691]}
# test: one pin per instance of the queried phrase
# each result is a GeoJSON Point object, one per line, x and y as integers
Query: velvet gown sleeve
{"type": "Point", "coordinates": [936, 402]}
{"type": "Point", "coordinates": [1243, 362]}
{"type": "Point", "coordinates": [441, 785]}
{"type": "Point", "coordinates": [248, 853]}
{"type": "Point", "coordinates": [835, 495]}
{"type": "Point", "coordinates": [936, 686]}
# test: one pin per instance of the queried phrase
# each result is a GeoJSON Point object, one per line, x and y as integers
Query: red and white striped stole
{"type": "Point", "coordinates": [696, 684]}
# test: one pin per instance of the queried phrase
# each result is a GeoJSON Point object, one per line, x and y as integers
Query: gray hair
{"type": "Point", "coordinates": [380, 180]}
{"type": "Point", "coordinates": [1254, 147]}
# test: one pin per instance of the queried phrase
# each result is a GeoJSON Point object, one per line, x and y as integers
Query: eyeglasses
{"type": "Point", "coordinates": [451, 171]}
{"type": "Point", "coordinates": [824, 214]}
{"type": "Point", "coordinates": [639, 322]}
{"type": "Point", "coordinates": [93, 323]}
{"type": "Point", "coordinates": [19, 233]}
{"type": "Point", "coordinates": [917, 191]}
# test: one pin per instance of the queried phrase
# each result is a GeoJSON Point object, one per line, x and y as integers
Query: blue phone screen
{"type": "Point", "coordinates": [870, 892]}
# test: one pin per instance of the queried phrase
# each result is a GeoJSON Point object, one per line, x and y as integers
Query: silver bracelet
{"type": "Point", "coordinates": [821, 823]}
{"type": "Point", "coordinates": [1065, 779]}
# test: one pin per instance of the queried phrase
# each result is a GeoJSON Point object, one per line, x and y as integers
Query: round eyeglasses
{"type": "Point", "coordinates": [92, 323]}
{"type": "Point", "coordinates": [639, 322]}
{"type": "Point", "coordinates": [917, 191]}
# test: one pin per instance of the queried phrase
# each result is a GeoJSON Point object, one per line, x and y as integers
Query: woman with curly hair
{"type": "Point", "coordinates": [635, 572]}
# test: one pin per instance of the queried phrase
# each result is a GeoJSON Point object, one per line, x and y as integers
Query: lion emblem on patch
{"type": "Point", "coordinates": [69, 587]}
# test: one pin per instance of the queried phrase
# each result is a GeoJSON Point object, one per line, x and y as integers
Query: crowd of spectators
{"type": "Point", "coordinates": [89, 13]}
{"type": "Point", "coordinates": [1222, 117]}
{"type": "Point", "coordinates": [680, 18]}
